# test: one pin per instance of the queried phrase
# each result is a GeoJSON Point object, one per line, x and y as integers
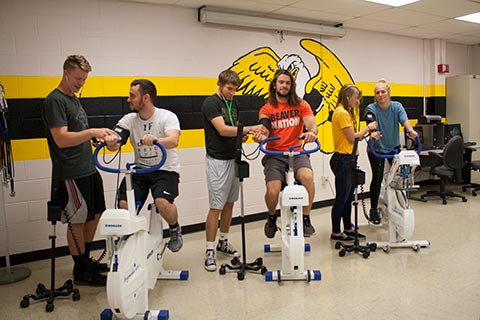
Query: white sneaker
{"type": "Point", "coordinates": [209, 263]}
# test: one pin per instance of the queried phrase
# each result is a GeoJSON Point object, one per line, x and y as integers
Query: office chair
{"type": "Point", "coordinates": [452, 159]}
{"type": "Point", "coordinates": [474, 165]}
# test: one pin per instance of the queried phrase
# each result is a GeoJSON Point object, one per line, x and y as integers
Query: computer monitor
{"type": "Point", "coordinates": [438, 135]}
{"type": "Point", "coordinates": [425, 134]}
{"type": "Point", "coordinates": [452, 130]}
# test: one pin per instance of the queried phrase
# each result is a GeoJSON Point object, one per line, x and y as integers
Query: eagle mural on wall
{"type": "Point", "coordinates": [256, 69]}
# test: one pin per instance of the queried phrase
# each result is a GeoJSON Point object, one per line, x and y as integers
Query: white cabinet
{"type": "Point", "coordinates": [463, 104]}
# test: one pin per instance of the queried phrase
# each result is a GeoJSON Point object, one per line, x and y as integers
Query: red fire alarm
{"type": "Point", "coordinates": [442, 68]}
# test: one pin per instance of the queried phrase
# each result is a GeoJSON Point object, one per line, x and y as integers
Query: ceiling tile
{"type": "Point", "coordinates": [446, 8]}
{"type": "Point", "coordinates": [404, 17]}
{"type": "Point", "coordinates": [368, 24]}
{"type": "Point", "coordinates": [354, 8]}
{"type": "Point", "coordinates": [278, 2]}
{"type": "Point", "coordinates": [312, 15]}
{"type": "Point", "coordinates": [244, 5]}
{"type": "Point", "coordinates": [423, 33]}
{"type": "Point", "coordinates": [468, 40]}
{"type": "Point", "coordinates": [452, 25]}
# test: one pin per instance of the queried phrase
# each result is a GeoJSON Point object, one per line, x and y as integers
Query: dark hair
{"type": "Point", "coordinates": [293, 99]}
{"type": "Point", "coordinates": [77, 61]}
{"type": "Point", "coordinates": [229, 76]}
{"type": "Point", "coordinates": [146, 87]}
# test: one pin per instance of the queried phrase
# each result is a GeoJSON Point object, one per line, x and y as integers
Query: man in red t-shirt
{"type": "Point", "coordinates": [287, 114]}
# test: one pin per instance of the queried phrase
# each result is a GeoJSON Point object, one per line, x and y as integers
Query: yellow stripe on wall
{"type": "Point", "coordinates": [30, 149]}
{"type": "Point", "coordinates": [41, 86]}
{"type": "Point", "coordinates": [37, 149]}
{"type": "Point", "coordinates": [405, 90]}
{"type": "Point", "coordinates": [18, 87]}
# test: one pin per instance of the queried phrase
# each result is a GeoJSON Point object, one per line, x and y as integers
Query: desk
{"type": "Point", "coordinates": [426, 160]}
{"type": "Point", "coordinates": [422, 173]}
{"type": "Point", "coordinates": [467, 158]}
{"type": "Point", "coordinates": [427, 152]}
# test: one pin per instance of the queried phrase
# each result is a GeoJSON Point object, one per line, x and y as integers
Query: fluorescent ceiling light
{"type": "Point", "coordinates": [393, 3]}
{"type": "Point", "coordinates": [206, 15]}
{"type": "Point", "coordinates": [473, 17]}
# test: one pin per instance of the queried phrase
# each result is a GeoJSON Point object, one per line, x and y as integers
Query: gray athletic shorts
{"type": "Point", "coordinates": [274, 167]}
{"type": "Point", "coordinates": [223, 186]}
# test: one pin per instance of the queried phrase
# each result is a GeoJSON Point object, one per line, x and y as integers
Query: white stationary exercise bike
{"type": "Point", "coordinates": [292, 199]}
{"type": "Point", "coordinates": [136, 246]}
{"type": "Point", "coordinates": [393, 201]}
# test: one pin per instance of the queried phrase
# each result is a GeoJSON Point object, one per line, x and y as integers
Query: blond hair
{"type": "Point", "coordinates": [77, 61]}
{"type": "Point", "coordinates": [344, 95]}
{"type": "Point", "coordinates": [381, 83]}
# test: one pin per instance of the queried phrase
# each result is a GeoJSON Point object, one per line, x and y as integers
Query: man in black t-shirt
{"type": "Point", "coordinates": [219, 115]}
{"type": "Point", "coordinates": [76, 184]}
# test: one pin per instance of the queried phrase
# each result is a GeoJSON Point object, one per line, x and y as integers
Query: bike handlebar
{"type": "Point", "coordinates": [130, 164]}
{"type": "Point", "coordinates": [286, 153]}
{"type": "Point", "coordinates": [371, 145]}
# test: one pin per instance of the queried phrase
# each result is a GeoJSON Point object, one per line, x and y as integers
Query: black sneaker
{"type": "Point", "coordinates": [352, 234]}
{"type": "Point", "coordinates": [97, 266]}
{"type": "Point", "coordinates": [90, 278]}
{"type": "Point", "coordinates": [374, 216]}
{"type": "Point", "coordinates": [270, 228]}
{"type": "Point", "coordinates": [342, 237]}
{"type": "Point", "coordinates": [225, 247]}
{"type": "Point", "coordinates": [209, 261]}
{"type": "Point", "coordinates": [308, 229]}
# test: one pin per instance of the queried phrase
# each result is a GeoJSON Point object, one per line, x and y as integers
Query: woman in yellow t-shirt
{"type": "Point", "coordinates": [345, 129]}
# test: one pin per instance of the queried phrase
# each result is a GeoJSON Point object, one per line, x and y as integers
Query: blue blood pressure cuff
{"type": "Point", "coordinates": [123, 133]}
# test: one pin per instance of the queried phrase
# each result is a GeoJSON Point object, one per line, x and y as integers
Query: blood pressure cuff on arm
{"type": "Point", "coordinates": [123, 133]}
{"type": "Point", "coordinates": [266, 123]}
{"type": "Point", "coordinates": [370, 117]}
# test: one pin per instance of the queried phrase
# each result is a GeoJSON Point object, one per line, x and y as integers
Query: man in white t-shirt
{"type": "Point", "coordinates": [145, 125]}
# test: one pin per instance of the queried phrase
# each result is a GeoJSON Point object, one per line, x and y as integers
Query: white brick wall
{"type": "Point", "coordinates": [122, 39]}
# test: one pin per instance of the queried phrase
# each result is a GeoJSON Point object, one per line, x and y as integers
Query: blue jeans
{"type": "Point", "coordinates": [341, 165]}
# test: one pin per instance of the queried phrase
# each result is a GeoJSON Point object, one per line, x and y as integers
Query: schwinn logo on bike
{"type": "Point", "coordinates": [113, 225]}
{"type": "Point", "coordinates": [295, 198]}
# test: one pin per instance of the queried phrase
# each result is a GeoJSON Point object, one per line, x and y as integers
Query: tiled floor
{"type": "Point", "coordinates": [440, 282]}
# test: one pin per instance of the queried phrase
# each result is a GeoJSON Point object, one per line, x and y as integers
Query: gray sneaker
{"type": "Point", "coordinates": [209, 263]}
{"type": "Point", "coordinates": [176, 242]}
{"type": "Point", "coordinates": [308, 229]}
{"type": "Point", "coordinates": [225, 247]}
{"type": "Point", "coordinates": [270, 228]}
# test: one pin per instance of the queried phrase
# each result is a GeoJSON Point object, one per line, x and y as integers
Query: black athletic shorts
{"type": "Point", "coordinates": [81, 198]}
{"type": "Point", "coordinates": [163, 184]}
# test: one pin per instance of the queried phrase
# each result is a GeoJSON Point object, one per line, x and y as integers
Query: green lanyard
{"type": "Point", "coordinates": [229, 108]}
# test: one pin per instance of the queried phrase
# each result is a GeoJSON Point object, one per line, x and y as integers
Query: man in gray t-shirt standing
{"type": "Point", "coordinates": [76, 184]}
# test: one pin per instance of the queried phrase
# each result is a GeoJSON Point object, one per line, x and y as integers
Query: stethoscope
{"type": "Point", "coordinates": [229, 106]}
